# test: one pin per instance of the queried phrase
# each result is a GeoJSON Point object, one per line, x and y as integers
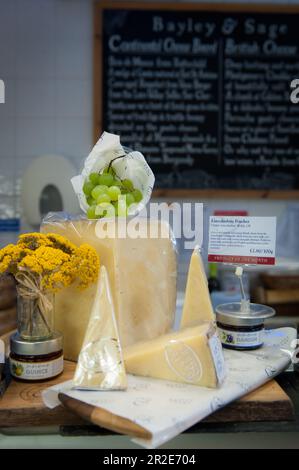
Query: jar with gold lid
{"type": "Point", "coordinates": [36, 360]}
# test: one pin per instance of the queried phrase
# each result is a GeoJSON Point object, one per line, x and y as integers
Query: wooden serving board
{"type": "Point", "coordinates": [22, 406]}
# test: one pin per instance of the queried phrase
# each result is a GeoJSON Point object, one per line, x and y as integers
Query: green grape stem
{"type": "Point", "coordinates": [112, 161]}
{"type": "Point", "coordinates": [115, 174]}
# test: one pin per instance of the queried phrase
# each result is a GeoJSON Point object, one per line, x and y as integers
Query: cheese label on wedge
{"type": "Point", "coordinates": [192, 355]}
{"type": "Point", "coordinates": [183, 361]}
{"type": "Point", "coordinates": [197, 304]}
{"type": "Point", "coordinates": [100, 364]}
{"type": "Point", "coordinates": [216, 351]}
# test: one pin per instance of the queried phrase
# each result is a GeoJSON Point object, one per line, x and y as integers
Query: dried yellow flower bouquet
{"type": "Point", "coordinates": [42, 264]}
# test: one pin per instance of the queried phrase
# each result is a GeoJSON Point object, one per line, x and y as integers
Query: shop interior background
{"type": "Point", "coordinates": [46, 62]}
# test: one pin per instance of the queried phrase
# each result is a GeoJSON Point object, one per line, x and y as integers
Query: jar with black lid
{"type": "Point", "coordinates": [36, 360]}
{"type": "Point", "coordinates": [242, 328]}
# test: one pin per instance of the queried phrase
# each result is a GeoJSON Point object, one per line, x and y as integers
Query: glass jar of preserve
{"type": "Point", "coordinates": [36, 360]}
{"type": "Point", "coordinates": [242, 329]}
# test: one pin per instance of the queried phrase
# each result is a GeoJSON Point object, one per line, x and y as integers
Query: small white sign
{"type": "Point", "coordinates": [242, 240]}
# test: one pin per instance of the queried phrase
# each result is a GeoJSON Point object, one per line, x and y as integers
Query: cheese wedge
{"type": "Point", "coordinates": [193, 355]}
{"type": "Point", "coordinates": [197, 304]}
{"type": "Point", "coordinates": [100, 364]}
{"type": "Point", "coordinates": [142, 275]}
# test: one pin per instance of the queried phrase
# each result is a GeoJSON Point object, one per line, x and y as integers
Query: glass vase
{"type": "Point", "coordinates": [35, 316]}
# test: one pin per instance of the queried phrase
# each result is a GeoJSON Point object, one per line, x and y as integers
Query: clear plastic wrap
{"type": "Point", "coordinates": [142, 273]}
{"type": "Point", "coordinates": [100, 363]}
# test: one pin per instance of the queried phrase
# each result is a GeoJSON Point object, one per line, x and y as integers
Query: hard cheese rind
{"type": "Point", "coordinates": [193, 355]}
{"type": "Point", "coordinates": [100, 364]}
{"type": "Point", "coordinates": [142, 274]}
{"type": "Point", "coordinates": [197, 304]}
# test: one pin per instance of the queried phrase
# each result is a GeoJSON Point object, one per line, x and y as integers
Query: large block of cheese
{"type": "Point", "coordinates": [193, 355]}
{"type": "Point", "coordinates": [197, 303]}
{"type": "Point", "coordinates": [142, 275]}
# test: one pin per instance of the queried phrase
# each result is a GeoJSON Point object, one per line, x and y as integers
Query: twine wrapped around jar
{"type": "Point", "coordinates": [35, 310]}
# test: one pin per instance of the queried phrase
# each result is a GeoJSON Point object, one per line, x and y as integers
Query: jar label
{"type": "Point", "coordinates": [36, 370]}
{"type": "Point", "coordinates": [241, 339]}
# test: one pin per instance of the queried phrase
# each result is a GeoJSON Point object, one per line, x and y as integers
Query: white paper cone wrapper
{"type": "Point", "coordinates": [133, 167]}
{"type": "Point", "coordinates": [168, 408]}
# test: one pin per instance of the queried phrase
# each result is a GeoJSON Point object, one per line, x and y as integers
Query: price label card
{"type": "Point", "coordinates": [242, 240]}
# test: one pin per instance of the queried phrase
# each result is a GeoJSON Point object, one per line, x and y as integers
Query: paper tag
{"type": "Point", "coordinates": [218, 358]}
{"type": "Point", "coordinates": [242, 240]}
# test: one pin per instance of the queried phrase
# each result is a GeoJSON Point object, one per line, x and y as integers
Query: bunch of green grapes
{"type": "Point", "coordinates": [107, 195]}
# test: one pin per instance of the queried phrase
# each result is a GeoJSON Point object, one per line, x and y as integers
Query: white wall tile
{"type": "Point", "coordinates": [22, 163]}
{"type": "Point", "coordinates": [35, 19]}
{"type": "Point", "coordinates": [35, 58]}
{"type": "Point", "coordinates": [74, 137]}
{"type": "Point", "coordinates": [73, 98]}
{"type": "Point", "coordinates": [7, 17]}
{"type": "Point", "coordinates": [7, 169]}
{"type": "Point", "coordinates": [7, 55]}
{"type": "Point", "coordinates": [7, 137]}
{"type": "Point", "coordinates": [35, 136]}
{"type": "Point", "coordinates": [73, 58]}
{"type": "Point", "coordinates": [35, 97]}
{"type": "Point", "coordinates": [73, 19]}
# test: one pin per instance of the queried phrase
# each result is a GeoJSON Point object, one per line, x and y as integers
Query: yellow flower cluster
{"type": "Point", "coordinates": [87, 260]}
{"type": "Point", "coordinates": [10, 256]}
{"type": "Point", "coordinates": [52, 259]}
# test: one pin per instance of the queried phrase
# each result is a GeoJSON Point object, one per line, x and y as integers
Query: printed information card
{"type": "Point", "coordinates": [242, 240]}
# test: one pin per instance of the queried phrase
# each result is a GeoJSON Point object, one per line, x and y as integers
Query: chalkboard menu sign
{"type": "Point", "coordinates": [204, 93]}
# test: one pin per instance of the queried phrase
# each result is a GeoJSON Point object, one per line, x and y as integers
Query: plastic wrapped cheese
{"type": "Point", "coordinates": [100, 363]}
{"type": "Point", "coordinates": [142, 273]}
{"type": "Point", "coordinates": [192, 355]}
